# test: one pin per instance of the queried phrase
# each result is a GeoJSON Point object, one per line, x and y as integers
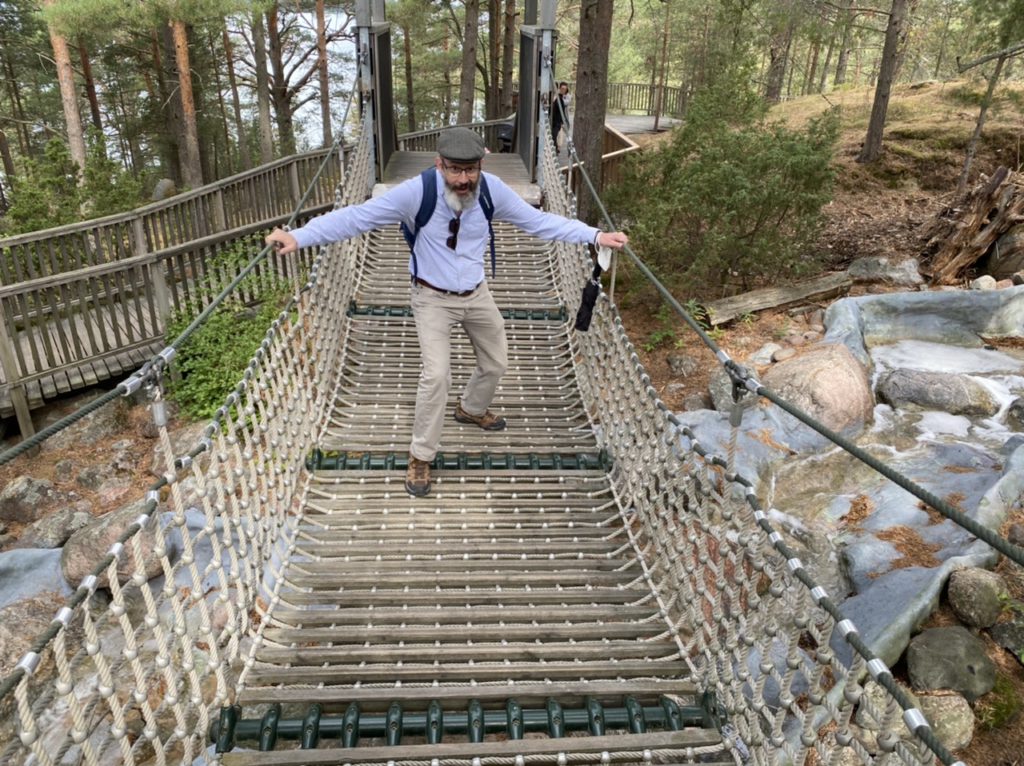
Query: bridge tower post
{"type": "Point", "coordinates": [375, 87]}
{"type": "Point", "coordinates": [536, 58]}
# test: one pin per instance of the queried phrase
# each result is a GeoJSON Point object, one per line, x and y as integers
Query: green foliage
{"type": "Point", "coordinates": [214, 358]}
{"type": "Point", "coordinates": [1001, 706]}
{"type": "Point", "coordinates": [730, 196]}
{"type": "Point", "coordinates": [212, 361]}
{"type": "Point", "coordinates": [48, 194]}
{"type": "Point", "coordinates": [107, 187]}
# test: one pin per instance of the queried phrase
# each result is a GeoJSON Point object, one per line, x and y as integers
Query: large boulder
{"type": "Point", "coordinates": [950, 658]}
{"type": "Point", "coordinates": [26, 499]}
{"type": "Point", "coordinates": [893, 271]}
{"type": "Point", "coordinates": [53, 531]}
{"type": "Point", "coordinates": [828, 383]}
{"type": "Point", "coordinates": [88, 546]}
{"type": "Point", "coordinates": [956, 394]}
{"type": "Point", "coordinates": [977, 596]}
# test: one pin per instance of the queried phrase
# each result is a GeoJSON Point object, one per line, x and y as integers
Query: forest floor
{"type": "Point", "coordinates": [877, 209]}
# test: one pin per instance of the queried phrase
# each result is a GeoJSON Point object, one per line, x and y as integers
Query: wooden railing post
{"type": "Point", "coordinates": [220, 213]}
{"type": "Point", "coordinates": [293, 182]}
{"type": "Point", "coordinates": [10, 366]}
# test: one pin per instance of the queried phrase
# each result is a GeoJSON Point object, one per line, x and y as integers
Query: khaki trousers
{"type": "Point", "coordinates": [437, 314]}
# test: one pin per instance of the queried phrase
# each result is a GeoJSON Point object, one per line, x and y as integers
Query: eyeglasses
{"type": "Point", "coordinates": [455, 172]}
{"type": "Point", "coordinates": [453, 229]}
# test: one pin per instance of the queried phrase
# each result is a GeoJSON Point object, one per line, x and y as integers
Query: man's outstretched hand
{"type": "Point", "coordinates": [613, 239]}
{"type": "Point", "coordinates": [282, 241]}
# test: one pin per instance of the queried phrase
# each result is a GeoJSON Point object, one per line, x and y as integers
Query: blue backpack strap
{"type": "Point", "coordinates": [423, 215]}
{"type": "Point", "coordinates": [487, 205]}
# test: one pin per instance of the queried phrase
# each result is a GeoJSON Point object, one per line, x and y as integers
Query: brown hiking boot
{"type": "Point", "coordinates": [488, 421]}
{"type": "Point", "coordinates": [417, 477]}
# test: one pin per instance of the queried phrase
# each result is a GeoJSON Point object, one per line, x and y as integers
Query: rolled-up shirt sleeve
{"type": "Point", "coordinates": [395, 206]}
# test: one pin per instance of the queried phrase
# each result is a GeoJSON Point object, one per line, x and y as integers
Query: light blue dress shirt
{"type": "Point", "coordinates": [459, 269]}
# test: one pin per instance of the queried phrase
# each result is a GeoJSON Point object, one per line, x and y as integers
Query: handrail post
{"type": "Point", "coordinates": [18, 396]}
{"type": "Point", "coordinates": [293, 182]}
{"type": "Point", "coordinates": [157, 281]}
{"type": "Point", "coordinates": [220, 213]}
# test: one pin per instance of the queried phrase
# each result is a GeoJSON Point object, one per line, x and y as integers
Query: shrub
{"type": "Point", "coordinates": [730, 196]}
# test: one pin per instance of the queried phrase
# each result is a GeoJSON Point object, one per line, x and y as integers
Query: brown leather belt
{"type": "Point", "coordinates": [463, 294]}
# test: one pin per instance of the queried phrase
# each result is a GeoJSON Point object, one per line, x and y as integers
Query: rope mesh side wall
{"type": "Point", "coordinates": [147, 654]}
{"type": "Point", "coordinates": [753, 634]}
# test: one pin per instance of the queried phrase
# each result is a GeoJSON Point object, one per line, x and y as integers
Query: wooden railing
{"type": "Point", "coordinates": [86, 302]}
{"type": "Point", "coordinates": [643, 98]}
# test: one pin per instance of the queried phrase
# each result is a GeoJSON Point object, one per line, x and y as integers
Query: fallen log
{"type": "Point", "coordinates": [821, 288]}
{"type": "Point", "coordinates": [962, 236]}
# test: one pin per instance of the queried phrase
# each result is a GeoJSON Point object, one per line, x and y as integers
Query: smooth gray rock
{"type": "Point", "coordinates": [976, 596]}
{"type": "Point", "coordinates": [764, 355]}
{"type": "Point", "coordinates": [783, 354]}
{"type": "Point", "coordinates": [54, 530]}
{"type": "Point", "coordinates": [984, 282]}
{"type": "Point", "coordinates": [956, 394]}
{"type": "Point", "coordinates": [25, 499]}
{"type": "Point", "coordinates": [697, 402]}
{"type": "Point", "coordinates": [828, 383]}
{"type": "Point", "coordinates": [950, 658]}
{"type": "Point", "coordinates": [163, 189]}
{"type": "Point", "coordinates": [951, 719]}
{"type": "Point", "coordinates": [1015, 414]}
{"type": "Point", "coordinates": [27, 572]}
{"type": "Point", "coordinates": [1010, 635]}
{"type": "Point", "coordinates": [720, 389]}
{"type": "Point", "coordinates": [957, 317]}
{"type": "Point", "coordinates": [682, 365]}
{"type": "Point", "coordinates": [892, 271]}
{"type": "Point", "coordinates": [87, 547]}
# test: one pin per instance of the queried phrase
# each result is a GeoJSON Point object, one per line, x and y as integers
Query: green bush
{"type": "Point", "coordinates": [212, 361]}
{"type": "Point", "coordinates": [730, 197]}
{"type": "Point", "coordinates": [52, 192]}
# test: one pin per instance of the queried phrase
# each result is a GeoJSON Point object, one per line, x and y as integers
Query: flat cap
{"type": "Point", "coordinates": [461, 145]}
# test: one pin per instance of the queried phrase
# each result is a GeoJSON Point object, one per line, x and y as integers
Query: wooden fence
{"type": "Point", "coordinates": [629, 97]}
{"type": "Point", "coordinates": [83, 303]}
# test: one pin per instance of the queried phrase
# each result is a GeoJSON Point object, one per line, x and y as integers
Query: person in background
{"type": "Point", "coordinates": [448, 280]}
{"type": "Point", "coordinates": [560, 107]}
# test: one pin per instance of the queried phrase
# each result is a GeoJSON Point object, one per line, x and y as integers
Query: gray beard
{"type": "Point", "coordinates": [459, 204]}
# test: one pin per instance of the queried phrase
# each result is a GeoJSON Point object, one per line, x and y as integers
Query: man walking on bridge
{"type": "Point", "coordinates": [449, 285]}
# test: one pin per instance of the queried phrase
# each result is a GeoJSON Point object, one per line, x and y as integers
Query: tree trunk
{"type": "Point", "coordinates": [778, 53]}
{"type": "Point", "coordinates": [259, 45]}
{"type": "Point", "coordinates": [236, 102]}
{"type": "Point", "coordinates": [279, 86]}
{"type": "Point", "coordinates": [223, 112]}
{"type": "Point", "coordinates": [21, 126]}
{"type": "Point", "coordinates": [591, 95]}
{"type": "Point", "coordinates": [410, 95]}
{"type": "Point", "coordinates": [8, 160]}
{"type": "Point", "coordinates": [321, 65]}
{"type": "Point", "coordinates": [894, 33]}
{"type": "Point", "coordinates": [68, 96]}
{"type": "Point", "coordinates": [659, 103]}
{"type": "Point", "coordinates": [90, 87]}
{"type": "Point", "coordinates": [508, 52]}
{"type": "Point", "coordinates": [972, 145]}
{"type": "Point", "coordinates": [845, 21]}
{"type": "Point", "coordinates": [192, 171]}
{"type": "Point", "coordinates": [492, 76]}
{"type": "Point", "coordinates": [467, 79]}
{"type": "Point", "coordinates": [942, 44]}
{"type": "Point", "coordinates": [170, 105]}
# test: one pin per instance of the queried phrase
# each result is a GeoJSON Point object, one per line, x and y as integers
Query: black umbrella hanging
{"type": "Point", "coordinates": [592, 289]}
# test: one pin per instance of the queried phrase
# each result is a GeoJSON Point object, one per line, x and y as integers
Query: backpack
{"type": "Point", "coordinates": [427, 210]}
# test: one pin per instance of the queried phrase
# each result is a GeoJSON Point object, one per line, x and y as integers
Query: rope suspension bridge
{"type": "Point", "coordinates": [588, 586]}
